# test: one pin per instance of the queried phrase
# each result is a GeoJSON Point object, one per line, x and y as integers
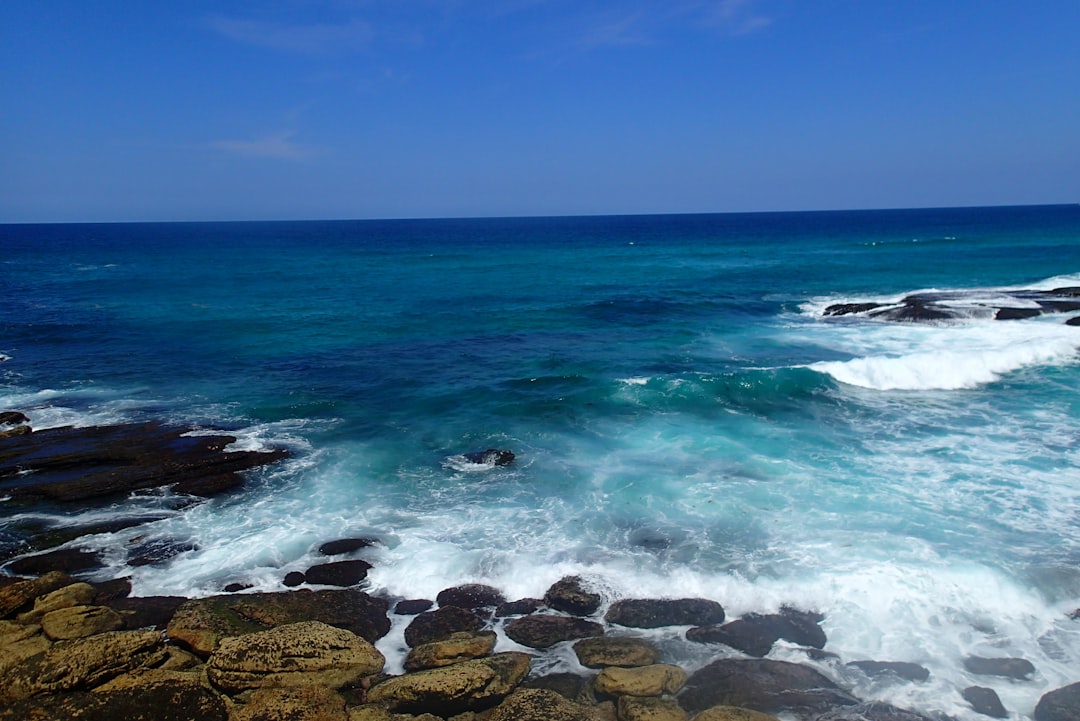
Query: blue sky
{"type": "Point", "coordinates": [430, 108]}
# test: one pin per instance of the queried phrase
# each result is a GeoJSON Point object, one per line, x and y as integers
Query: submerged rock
{"type": "Point", "coordinates": [491, 457]}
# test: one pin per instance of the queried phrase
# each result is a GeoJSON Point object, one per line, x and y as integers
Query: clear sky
{"type": "Point", "coordinates": [190, 110]}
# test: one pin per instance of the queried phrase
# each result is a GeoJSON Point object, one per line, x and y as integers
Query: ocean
{"type": "Point", "coordinates": [687, 417]}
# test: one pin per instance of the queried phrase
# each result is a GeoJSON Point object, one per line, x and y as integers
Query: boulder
{"type": "Point", "coordinates": [490, 457]}
{"type": "Point", "coordinates": [652, 680]}
{"type": "Point", "coordinates": [1062, 704]}
{"type": "Point", "coordinates": [412, 607]}
{"type": "Point", "coordinates": [471, 685]}
{"type": "Point", "coordinates": [634, 708]}
{"type": "Point", "coordinates": [901, 669]}
{"type": "Point", "coordinates": [81, 664]}
{"type": "Point", "coordinates": [568, 685]}
{"type": "Point", "coordinates": [441, 623]}
{"type": "Point", "coordinates": [544, 631]}
{"type": "Point", "coordinates": [570, 595]}
{"type": "Point", "coordinates": [732, 713]}
{"type": "Point", "coordinates": [542, 705]}
{"type": "Point", "coordinates": [74, 594]}
{"type": "Point", "coordinates": [65, 624]}
{"type": "Point", "coordinates": [297, 654]}
{"type": "Point", "coordinates": [872, 711]}
{"type": "Point", "coordinates": [12, 418]}
{"type": "Point", "coordinates": [338, 573]}
{"type": "Point", "coordinates": [650, 613]}
{"type": "Point", "coordinates": [755, 634]}
{"type": "Point", "coordinates": [293, 579]}
{"type": "Point", "coordinates": [985, 701]}
{"type": "Point", "coordinates": [158, 551]}
{"type": "Point", "coordinates": [522, 607]}
{"type": "Point", "coordinates": [305, 703]}
{"type": "Point", "coordinates": [19, 642]}
{"type": "Point", "coordinates": [615, 651]}
{"type": "Point", "coordinates": [471, 596]}
{"type": "Point", "coordinates": [762, 685]}
{"type": "Point", "coordinates": [1014, 668]}
{"type": "Point", "coordinates": [346, 545]}
{"type": "Point", "coordinates": [200, 624]}
{"type": "Point", "coordinates": [462, 646]}
{"type": "Point", "coordinates": [16, 595]}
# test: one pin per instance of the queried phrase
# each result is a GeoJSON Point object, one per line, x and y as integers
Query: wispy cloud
{"type": "Point", "coordinates": [278, 145]}
{"type": "Point", "coordinates": [310, 39]}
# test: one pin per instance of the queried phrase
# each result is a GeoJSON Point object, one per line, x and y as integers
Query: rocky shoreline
{"type": "Point", "coordinates": [73, 649]}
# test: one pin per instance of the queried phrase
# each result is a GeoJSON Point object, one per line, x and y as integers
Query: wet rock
{"type": "Point", "coordinates": [158, 551]}
{"type": "Point", "coordinates": [81, 664]}
{"type": "Point", "coordinates": [307, 703]}
{"type": "Point", "coordinates": [849, 308]}
{"type": "Point", "coordinates": [649, 613]}
{"type": "Point", "coordinates": [568, 685]}
{"type": "Point", "coordinates": [293, 579]}
{"type": "Point", "coordinates": [439, 624]}
{"type": "Point", "coordinates": [520, 607]}
{"type": "Point", "coordinates": [75, 594]}
{"type": "Point", "coordinates": [491, 457]}
{"type": "Point", "coordinates": [732, 713]}
{"type": "Point", "coordinates": [412, 607]}
{"type": "Point", "coordinates": [472, 685]}
{"type": "Point", "coordinates": [15, 432]}
{"type": "Point", "coordinates": [544, 631]}
{"type": "Point", "coordinates": [542, 705]}
{"type": "Point", "coordinates": [1062, 704]}
{"type": "Point", "coordinates": [15, 596]}
{"type": "Point", "coordinates": [762, 685]}
{"type": "Point", "coordinates": [236, 587]}
{"type": "Point", "coordinates": [12, 418]}
{"type": "Point", "coordinates": [75, 464]}
{"type": "Point", "coordinates": [615, 651]}
{"type": "Point", "coordinates": [155, 698]}
{"type": "Point", "coordinates": [346, 545]}
{"type": "Point", "coordinates": [570, 595]}
{"type": "Point", "coordinates": [147, 611]}
{"type": "Point", "coordinates": [985, 701]}
{"type": "Point", "coordinates": [111, 590]}
{"type": "Point", "coordinates": [19, 642]}
{"type": "Point", "coordinates": [338, 573]}
{"type": "Point", "coordinates": [199, 624]}
{"type": "Point", "coordinates": [64, 560]}
{"type": "Point", "coordinates": [298, 654]}
{"type": "Point", "coordinates": [462, 646]}
{"type": "Point", "coordinates": [652, 680]}
{"type": "Point", "coordinates": [633, 708]}
{"type": "Point", "coordinates": [80, 621]}
{"type": "Point", "coordinates": [1015, 668]}
{"type": "Point", "coordinates": [873, 711]}
{"type": "Point", "coordinates": [471, 595]}
{"type": "Point", "coordinates": [1016, 313]}
{"type": "Point", "coordinates": [1073, 321]}
{"type": "Point", "coordinates": [755, 634]}
{"type": "Point", "coordinates": [904, 670]}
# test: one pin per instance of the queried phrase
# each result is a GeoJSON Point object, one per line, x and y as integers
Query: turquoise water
{"type": "Point", "coordinates": [686, 421]}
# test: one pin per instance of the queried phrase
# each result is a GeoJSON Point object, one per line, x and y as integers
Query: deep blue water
{"type": "Point", "coordinates": [685, 419]}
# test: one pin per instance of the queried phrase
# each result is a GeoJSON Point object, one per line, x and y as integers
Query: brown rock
{"type": "Point", "coordinates": [19, 642]}
{"type": "Point", "coordinates": [19, 594]}
{"type": "Point", "coordinates": [541, 705]}
{"type": "Point", "coordinates": [12, 418]}
{"type": "Point", "coordinates": [568, 685]}
{"type": "Point", "coordinates": [462, 646]}
{"type": "Point", "coordinates": [412, 606]}
{"type": "Point", "coordinates": [732, 713]}
{"type": "Point", "coordinates": [523, 606]}
{"type": "Point", "coordinates": [75, 594]}
{"type": "Point", "coordinates": [82, 664]}
{"type": "Point", "coordinates": [570, 595]}
{"type": "Point", "coordinates": [158, 699]}
{"type": "Point", "coordinates": [299, 654]}
{"type": "Point", "coordinates": [471, 596]}
{"type": "Point", "coordinates": [147, 611]}
{"type": "Point", "coordinates": [544, 631]}
{"type": "Point", "coordinates": [985, 701]}
{"type": "Point", "coordinates": [15, 432]}
{"type": "Point", "coordinates": [472, 685]}
{"type": "Point", "coordinates": [652, 680]}
{"type": "Point", "coordinates": [80, 621]}
{"type": "Point", "coordinates": [615, 651]}
{"type": "Point", "coordinates": [632, 708]}
{"type": "Point", "coordinates": [441, 623]}
{"type": "Point", "coordinates": [655, 613]}
{"type": "Point", "coordinates": [305, 703]}
{"type": "Point", "coordinates": [201, 623]}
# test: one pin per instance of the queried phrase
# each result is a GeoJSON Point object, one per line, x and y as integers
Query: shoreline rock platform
{"type": "Point", "coordinates": [71, 648]}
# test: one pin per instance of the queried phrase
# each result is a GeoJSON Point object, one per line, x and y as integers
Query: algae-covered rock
{"type": "Point", "coordinates": [304, 703]}
{"type": "Point", "coordinates": [82, 664]}
{"type": "Point", "coordinates": [542, 705]}
{"type": "Point", "coordinates": [455, 649]}
{"type": "Point", "coordinates": [633, 708]}
{"type": "Point", "coordinates": [453, 689]}
{"type": "Point", "coordinates": [762, 685]}
{"type": "Point", "coordinates": [80, 621]}
{"type": "Point", "coordinates": [615, 651]}
{"type": "Point", "coordinates": [19, 642]}
{"type": "Point", "coordinates": [17, 595]}
{"type": "Point", "coordinates": [571, 595]}
{"type": "Point", "coordinates": [441, 623]}
{"type": "Point", "coordinates": [299, 654]}
{"type": "Point", "coordinates": [544, 631]}
{"type": "Point", "coordinates": [652, 680]}
{"type": "Point", "coordinates": [732, 713]}
{"type": "Point", "coordinates": [655, 613]}
{"type": "Point", "coordinates": [74, 594]}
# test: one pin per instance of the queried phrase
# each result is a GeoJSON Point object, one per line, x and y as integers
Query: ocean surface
{"type": "Point", "coordinates": [686, 420]}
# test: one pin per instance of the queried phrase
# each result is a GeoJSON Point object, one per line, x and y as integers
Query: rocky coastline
{"type": "Point", "coordinates": [71, 648]}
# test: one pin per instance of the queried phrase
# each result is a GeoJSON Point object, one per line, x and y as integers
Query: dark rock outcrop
{"type": "Point", "coordinates": [1062, 704]}
{"type": "Point", "coordinates": [338, 573]}
{"type": "Point", "coordinates": [440, 624]}
{"type": "Point", "coordinates": [873, 711]}
{"type": "Point", "coordinates": [491, 457]}
{"type": "Point", "coordinates": [471, 595]}
{"type": "Point", "coordinates": [762, 685]}
{"type": "Point", "coordinates": [412, 607]}
{"type": "Point", "coordinates": [64, 560]}
{"type": "Point", "coordinates": [985, 701]}
{"type": "Point", "coordinates": [648, 613]}
{"type": "Point", "coordinates": [147, 611]}
{"type": "Point", "coordinates": [345, 545]}
{"type": "Point", "coordinates": [520, 607]}
{"type": "Point", "coordinates": [570, 595]}
{"type": "Point", "coordinates": [13, 418]}
{"type": "Point", "coordinates": [544, 631]}
{"type": "Point", "coordinates": [1015, 668]}
{"type": "Point", "coordinates": [755, 634]}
